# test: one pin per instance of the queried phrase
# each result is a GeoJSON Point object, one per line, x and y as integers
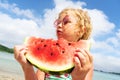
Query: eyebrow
{"type": "Point", "coordinates": [67, 16]}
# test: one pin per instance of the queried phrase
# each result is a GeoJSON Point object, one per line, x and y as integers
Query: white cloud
{"type": "Point", "coordinates": [105, 51]}
{"type": "Point", "coordinates": [118, 34]}
{"type": "Point", "coordinates": [113, 41]}
{"type": "Point", "coordinates": [26, 13]}
{"type": "Point", "coordinates": [6, 5]}
{"type": "Point", "coordinates": [106, 63]}
{"type": "Point", "coordinates": [109, 46]}
{"type": "Point", "coordinates": [15, 30]}
{"type": "Point", "coordinates": [106, 55]}
{"type": "Point", "coordinates": [68, 3]}
{"type": "Point", "coordinates": [100, 22]}
{"type": "Point", "coordinates": [13, 8]}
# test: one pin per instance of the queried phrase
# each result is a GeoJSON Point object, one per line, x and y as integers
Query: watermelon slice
{"type": "Point", "coordinates": [53, 56]}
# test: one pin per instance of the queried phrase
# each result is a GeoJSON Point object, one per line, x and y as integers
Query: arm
{"type": "Point", "coordinates": [19, 54]}
{"type": "Point", "coordinates": [40, 75]}
{"type": "Point", "coordinates": [29, 73]}
{"type": "Point", "coordinates": [89, 75]}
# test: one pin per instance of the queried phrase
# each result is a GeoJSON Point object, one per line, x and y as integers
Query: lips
{"type": "Point", "coordinates": [59, 31]}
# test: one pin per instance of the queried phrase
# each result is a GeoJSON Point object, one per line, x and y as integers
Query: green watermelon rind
{"type": "Point", "coordinates": [68, 69]}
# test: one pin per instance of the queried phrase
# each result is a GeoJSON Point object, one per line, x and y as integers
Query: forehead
{"type": "Point", "coordinates": [69, 13]}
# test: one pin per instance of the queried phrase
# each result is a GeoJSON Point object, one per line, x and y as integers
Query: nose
{"type": "Point", "coordinates": [60, 25]}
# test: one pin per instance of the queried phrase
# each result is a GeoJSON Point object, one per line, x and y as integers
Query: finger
{"type": "Point", "coordinates": [77, 62]}
{"type": "Point", "coordinates": [81, 58]}
{"type": "Point", "coordinates": [87, 55]}
{"type": "Point", "coordinates": [16, 51]}
{"type": "Point", "coordinates": [81, 51]}
{"type": "Point", "coordinates": [90, 57]}
{"type": "Point", "coordinates": [22, 56]}
{"type": "Point", "coordinates": [19, 50]}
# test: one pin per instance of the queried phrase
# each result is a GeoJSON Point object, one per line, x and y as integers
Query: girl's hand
{"type": "Point", "coordinates": [83, 61]}
{"type": "Point", "coordinates": [29, 73]}
{"type": "Point", "coordinates": [19, 54]}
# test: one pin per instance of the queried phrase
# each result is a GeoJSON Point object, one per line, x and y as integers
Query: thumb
{"type": "Point", "coordinates": [77, 62]}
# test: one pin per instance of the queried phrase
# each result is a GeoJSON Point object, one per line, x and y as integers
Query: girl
{"type": "Point", "coordinates": [72, 25]}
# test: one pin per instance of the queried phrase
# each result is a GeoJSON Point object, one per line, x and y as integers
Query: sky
{"type": "Point", "coordinates": [22, 18]}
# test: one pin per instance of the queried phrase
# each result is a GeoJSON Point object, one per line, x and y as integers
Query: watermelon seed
{"type": "Point", "coordinates": [69, 44]}
{"type": "Point", "coordinates": [57, 44]}
{"type": "Point", "coordinates": [38, 48]}
{"type": "Point", "coordinates": [51, 54]}
{"type": "Point", "coordinates": [42, 40]}
{"type": "Point", "coordinates": [63, 51]}
{"type": "Point", "coordinates": [45, 45]}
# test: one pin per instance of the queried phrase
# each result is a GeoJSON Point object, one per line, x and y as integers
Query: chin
{"type": "Point", "coordinates": [59, 36]}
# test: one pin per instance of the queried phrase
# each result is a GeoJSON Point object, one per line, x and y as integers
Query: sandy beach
{"type": "Point", "coordinates": [10, 76]}
{"type": "Point", "coordinates": [10, 68]}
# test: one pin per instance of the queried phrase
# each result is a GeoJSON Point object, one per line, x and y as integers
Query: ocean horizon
{"type": "Point", "coordinates": [9, 64]}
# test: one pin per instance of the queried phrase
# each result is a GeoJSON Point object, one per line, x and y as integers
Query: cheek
{"type": "Point", "coordinates": [69, 33]}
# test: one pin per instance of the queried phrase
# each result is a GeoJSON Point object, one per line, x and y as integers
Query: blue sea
{"type": "Point", "coordinates": [9, 64]}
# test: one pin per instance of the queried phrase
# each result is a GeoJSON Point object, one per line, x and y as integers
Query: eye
{"type": "Point", "coordinates": [57, 22]}
{"type": "Point", "coordinates": [65, 21]}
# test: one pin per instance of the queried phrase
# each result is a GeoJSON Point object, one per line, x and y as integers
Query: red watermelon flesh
{"type": "Point", "coordinates": [53, 56]}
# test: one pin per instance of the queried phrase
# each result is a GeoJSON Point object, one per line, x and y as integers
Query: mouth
{"type": "Point", "coordinates": [59, 31]}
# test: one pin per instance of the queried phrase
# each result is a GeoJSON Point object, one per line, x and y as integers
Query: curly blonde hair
{"type": "Point", "coordinates": [83, 20]}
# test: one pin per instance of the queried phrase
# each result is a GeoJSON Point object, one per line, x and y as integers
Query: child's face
{"type": "Point", "coordinates": [67, 26]}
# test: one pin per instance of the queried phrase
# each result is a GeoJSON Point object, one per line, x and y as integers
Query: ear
{"type": "Point", "coordinates": [84, 29]}
{"type": "Point", "coordinates": [81, 31]}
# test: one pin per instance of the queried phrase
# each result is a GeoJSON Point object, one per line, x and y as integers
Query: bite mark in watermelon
{"type": "Point", "coordinates": [53, 56]}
